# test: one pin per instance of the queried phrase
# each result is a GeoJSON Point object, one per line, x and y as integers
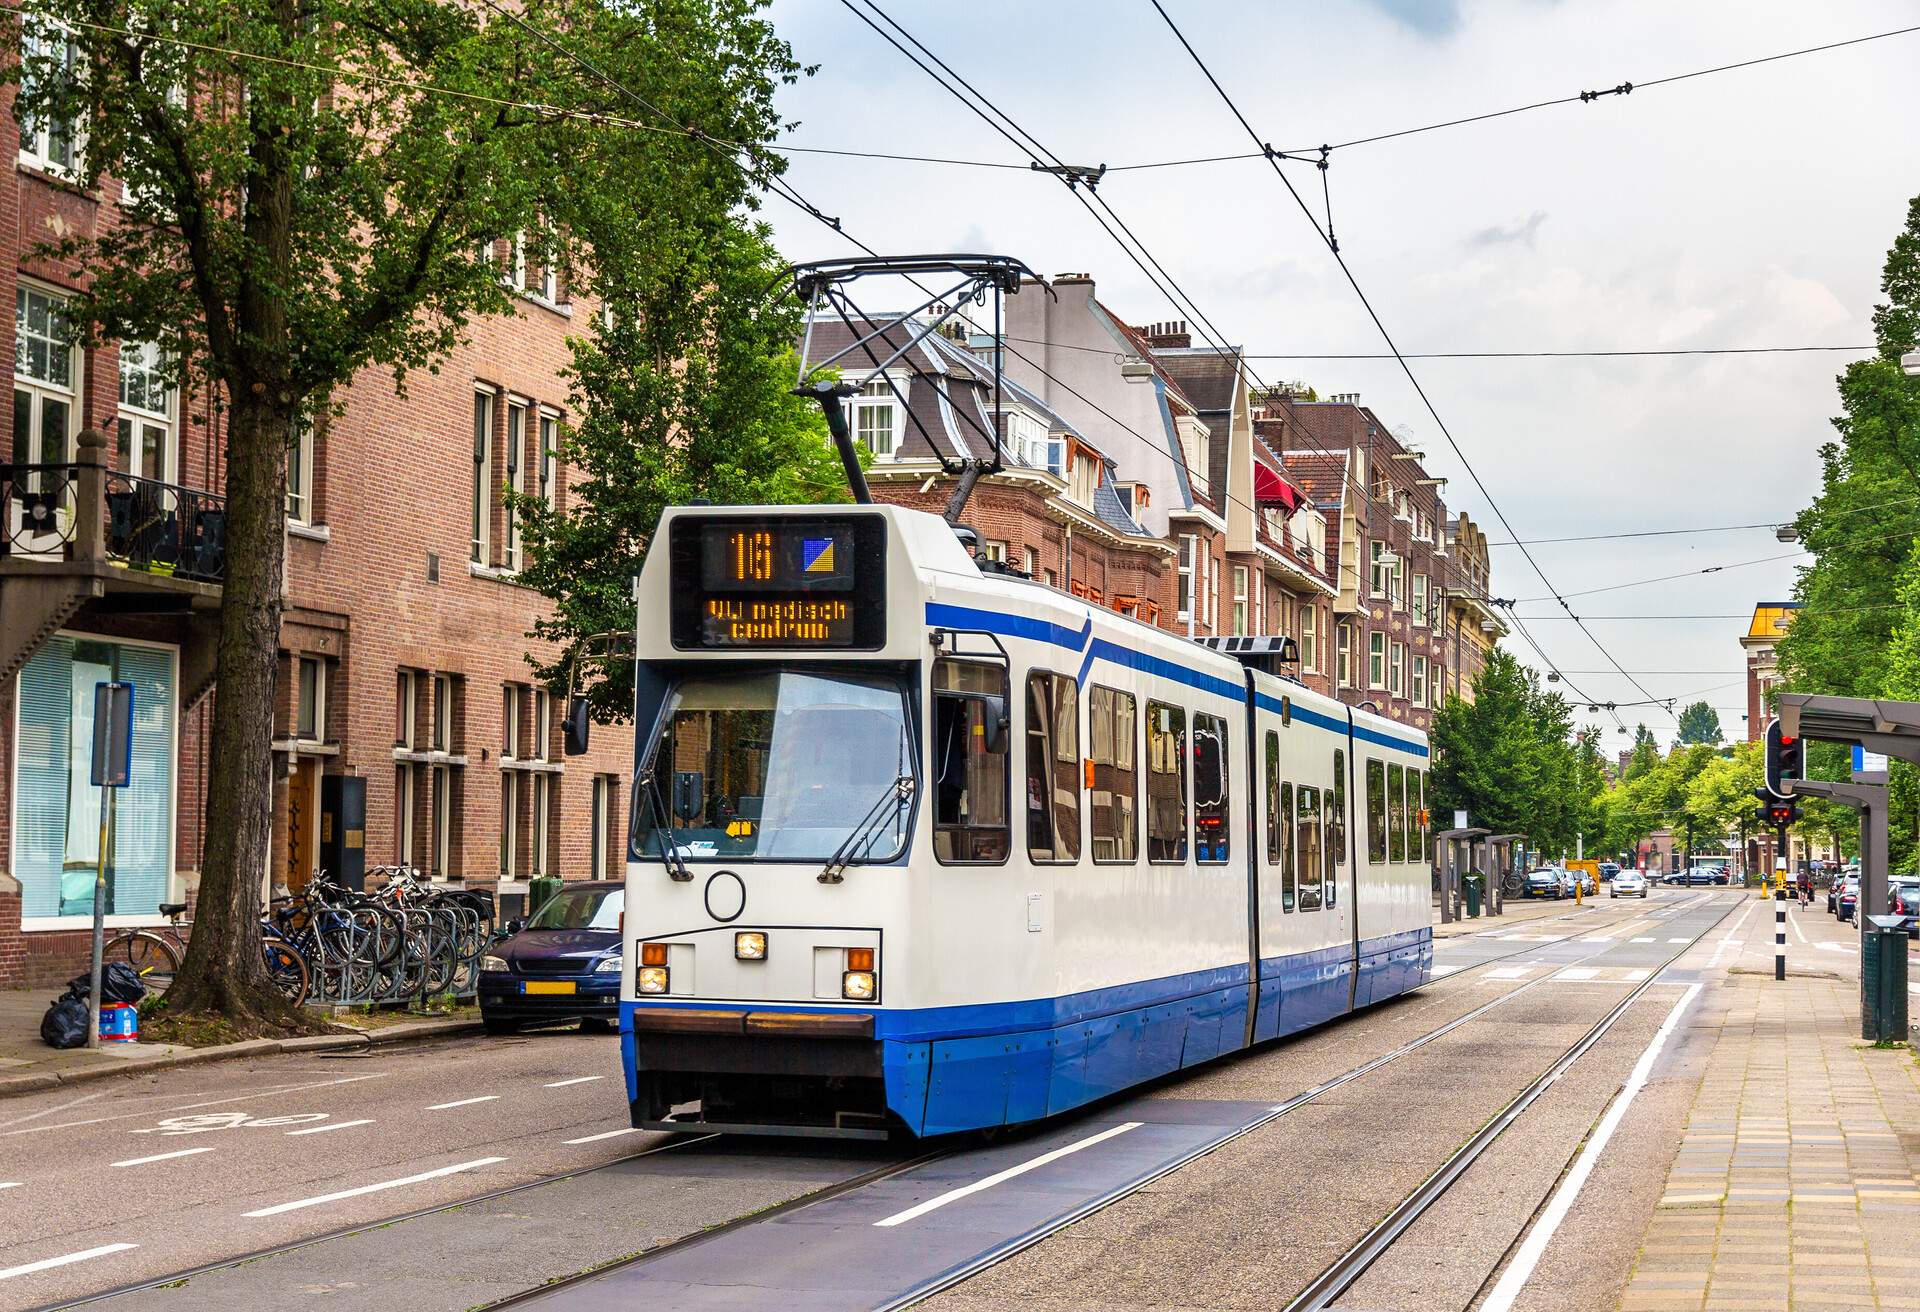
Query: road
{"type": "Point", "coordinates": [143, 1181]}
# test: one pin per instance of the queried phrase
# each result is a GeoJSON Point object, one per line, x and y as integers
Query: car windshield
{"type": "Point", "coordinates": [581, 908]}
{"type": "Point", "coordinates": [777, 765]}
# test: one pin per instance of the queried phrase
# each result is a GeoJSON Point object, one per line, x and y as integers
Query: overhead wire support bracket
{"type": "Point", "coordinates": [1624, 89]}
{"type": "Point", "coordinates": [1073, 174]}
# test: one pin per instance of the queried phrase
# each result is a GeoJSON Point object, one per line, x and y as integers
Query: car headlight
{"type": "Point", "coordinates": [651, 979]}
{"type": "Point", "coordinates": [608, 965]}
{"type": "Point", "coordinates": [491, 962]}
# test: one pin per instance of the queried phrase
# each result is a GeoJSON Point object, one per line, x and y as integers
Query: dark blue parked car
{"type": "Point", "coordinates": [562, 964]}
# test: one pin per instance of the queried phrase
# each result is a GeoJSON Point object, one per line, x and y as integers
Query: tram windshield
{"type": "Point", "coordinates": [778, 766]}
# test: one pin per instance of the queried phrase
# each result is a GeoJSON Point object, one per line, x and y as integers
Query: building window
{"type": "Point", "coordinates": [601, 840]}
{"type": "Point", "coordinates": [406, 706]}
{"type": "Point", "coordinates": [542, 805]}
{"type": "Point", "coordinates": [878, 419]}
{"type": "Point", "coordinates": [1417, 693]}
{"type": "Point", "coordinates": [49, 141]}
{"type": "Point", "coordinates": [516, 480]}
{"type": "Point", "coordinates": [1112, 726]}
{"type": "Point", "coordinates": [970, 761]}
{"type": "Point", "coordinates": [542, 724]}
{"type": "Point", "coordinates": [517, 265]}
{"type": "Point", "coordinates": [1053, 768]}
{"type": "Point", "coordinates": [56, 809]}
{"type": "Point", "coordinates": [1376, 660]}
{"type": "Point", "coordinates": [1166, 782]}
{"type": "Point", "coordinates": [482, 475]}
{"type": "Point", "coordinates": [995, 551]}
{"type": "Point", "coordinates": [1239, 599]}
{"type": "Point", "coordinates": [444, 818]}
{"type": "Point", "coordinates": [300, 505]}
{"type": "Point", "coordinates": [1034, 444]}
{"type": "Point", "coordinates": [509, 822]}
{"type": "Point", "coordinates": [44, 378]}
{"type": "Point", "coordinates": [310, 699]}
{"type": "Point", "coordinates": [146, 413]}
{"type": "Point", "coordinates": [510, 720]}
{"type": "Point", "coordinates": [1380, 582]}
{"type": "Point", "coordinates": [1396, 672]}
{"type": "Point", "coordinates": [1086, 477]}
{"type": "Point", "coordinates": [550, 459]}
{"type": "Point", "coordinates": [1420, 599]}
{"type": "Point", "coordinates": [1343, 655]}
{"type": "Point", "coordinates": [1030, 562]}
{"type": "Point", "coordinates": [405, 778]}
{"type": "Point", "coordinates": [1213, 590]}
{"type": "Point", "coordinates": [1186, 577]}
{"type": "Point", "coordinates": [442, 713]}
{"type": "Point", "coordinates": [1310, 639]}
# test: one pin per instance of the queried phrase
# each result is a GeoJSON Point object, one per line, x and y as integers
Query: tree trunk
{"type": "Point", "coordinates": [224, 971]}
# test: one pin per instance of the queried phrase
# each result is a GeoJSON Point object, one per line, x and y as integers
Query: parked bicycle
{"type": "Point", "coordinates": [156, 954]}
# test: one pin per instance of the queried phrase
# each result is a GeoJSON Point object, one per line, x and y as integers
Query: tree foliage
{"type": "Point", "coordinates": [318, 189]}
{"type": "Point", "coordinates": [1699, 723]}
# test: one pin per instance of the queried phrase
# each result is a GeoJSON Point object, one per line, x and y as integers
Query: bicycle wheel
{"type": "Point", "coordinates": [288, 970]}
{"type": "Point", "coordinates": [155, 960]}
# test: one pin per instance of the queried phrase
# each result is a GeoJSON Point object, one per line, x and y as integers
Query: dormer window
{"type": "Point", "coordinates": [879, 420]}
{"type": "Point", "coordinates": [1086, 477]}
{"type": "Point", "coordinates": [1035, 446]}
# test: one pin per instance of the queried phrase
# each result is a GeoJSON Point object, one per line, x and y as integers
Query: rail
{"type": "Point", "coordinates": [166, 529]}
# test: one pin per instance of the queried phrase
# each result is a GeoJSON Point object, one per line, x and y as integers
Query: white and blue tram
{"type": "Point", "coordinates": [917, 847]}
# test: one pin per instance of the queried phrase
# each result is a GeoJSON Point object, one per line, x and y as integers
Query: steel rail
{"type": "Point", "coordinates": [1019, 1243]}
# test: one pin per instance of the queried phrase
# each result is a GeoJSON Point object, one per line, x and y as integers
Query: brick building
{"type": "Point", "coordinates": [1764, 630]}
{"type": "Point", "coordinates": [402, 644]}
{"type": "Point", "coordinates": [1473, 626]}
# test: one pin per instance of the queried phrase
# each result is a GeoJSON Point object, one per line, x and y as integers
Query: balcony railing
{"type": "Point", "coordinates": [136, 523]}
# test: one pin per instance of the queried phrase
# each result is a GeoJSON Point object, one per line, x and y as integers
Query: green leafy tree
{"type": "Point", "coordinates": [1646, 752]}
{"type": "Point", "coordinates": [316, 190]}
{"type": "Point", "coordinates": [1506, 758]}
{"type": "Point", "coordinates": [1699, 723]}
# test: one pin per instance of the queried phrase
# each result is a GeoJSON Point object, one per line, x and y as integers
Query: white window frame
{"type": "Point", "coordinates": [1377, 659]}
{"type": "Point", "coordinates": [1379, 583]}
{"type": "Point", "coordinates": [36, 140]}
{"type": "Point", "coordinates": [484, 401]}
{"type": "Point", "coordinates": [1213, 592]}
{"type": "Point", "coordinates": [300, 474]}
{"type": "Point", "coordinates": [1030, 562]}
{"type": "Point", "coordinates": [996, 551]}
{"type": "Point", "coordinates": [442, 804]}
{"type": "Point", "coordinates": [875, 397]}
{"type": "Point", "coordinates": [1420, 600]}
{"type": "Point", "coordinates": [303, 666]}
{"type": "Point", "coordinates": [1397, 669]}
{"type": "Point", "coordinates": [509, 821]}
{"type": "Point", "coordinates": [440, 732]}
{"type": "Point", "coordinates": [1084, 478]}
{"type": "Point", "coordinates": [542, 724]}
{"type": "Point", "coordinates": [143, 363]}
{"type": "Point", "coordinates": [1417, 689]}
{"type": "Point", "coordinates": [1239, 600]}
{"type": "Point", "coordinates": [1183, 599]}
{"type": "Point", "coordinates": [405, 780]}
{"type": "Point", "coordinates": [1343, 655]}
{"type": "Point", "coordinates": [516, 475]}
{"type": "Point", "coordinates": [542, 805]}
{"type": "Point", "coordinates": [41, 390]}
{"type": "Point", "coordinates": [549, 457]}
{"type": "Point", "coordinates": [1310, 639]}
{"type": "Point", "coordinates": [517, 263]}
{"type": "Point", "coordinates": [510, 721]}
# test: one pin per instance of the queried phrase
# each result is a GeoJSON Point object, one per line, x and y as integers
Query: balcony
{"type": "Point", "coordinates": [85, 545]}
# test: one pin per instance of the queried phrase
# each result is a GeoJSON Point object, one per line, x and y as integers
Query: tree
{"type": "Point", "coordinates": [687, 394]}
{"type": "Point", "coordinates": [1645, 755]}
{"type": "Point", "coordinates": [316, 190]}
{"type": "Point", "coordinates": [1699, 723]}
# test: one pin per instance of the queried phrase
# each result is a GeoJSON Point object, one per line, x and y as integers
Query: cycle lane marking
{"type": "Point", "coordinates": [382, 1185]}
{"type": "Point", "coordinates": [163, 1157]}
{"type": "Point", "coordinates": [578, 1079]}
{"type": "Point", "coordinates": [211, 1102]}
{"type": "Point", "coordinates": [464, 1102]}
{"type": "Point", "coordinates": [49, 1263]}
{"type": "Point", "coordinates": [609, 1134]}
{"type": "Point", "coordinates": [50, 1111]}
{"type": "Point", "coordinates": [337, 1125]}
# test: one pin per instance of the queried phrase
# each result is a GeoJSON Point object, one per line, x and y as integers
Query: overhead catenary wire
{"type": "Point", "coordinates": [1387, 337]}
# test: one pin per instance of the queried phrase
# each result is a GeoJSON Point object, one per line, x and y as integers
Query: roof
{"type": "Point", "coordinates": [1770, 618]}
{"type": "Point", "coordinates": [1138, 341]}
{"type": "Point", "coordinates": [1107, 505]}
{"type": "Point", "coordinates": [1206, 375]}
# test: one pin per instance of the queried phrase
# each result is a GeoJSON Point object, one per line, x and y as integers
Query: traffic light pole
{"type": "Point", "coordinates": [1780, 903]}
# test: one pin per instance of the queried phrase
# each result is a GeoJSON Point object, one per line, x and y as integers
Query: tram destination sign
{"type": "Point", "coordinates": [779, 582]}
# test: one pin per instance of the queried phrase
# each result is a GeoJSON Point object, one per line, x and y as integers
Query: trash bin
{"type": "Point", "coordinates": [1883, 979]}
{"type": "Point", "coordinates": [1475, 887]}
{"type": "Point", "coordinates": [539, 892]}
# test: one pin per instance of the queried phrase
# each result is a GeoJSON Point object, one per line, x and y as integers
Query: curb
{"type": "Point", "coordinates": [11, 1086]}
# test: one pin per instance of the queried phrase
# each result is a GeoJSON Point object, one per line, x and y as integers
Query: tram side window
{"type": "Point", "coordinates": [1115, 732]}
{"type": "Point", "coordinates": [1166, 782]}
{"type": "Point", "coordinates": [1210, 788]}
{"type": "Point", "coordinates": [1289, 885]}
{"type": "Point", "coordinates": [1053, 768]}
{"type": "Point", "coordinates": [1273, 798]}
{"type": "Point", "coordinates": [1327, 867]}
{"type": "Point", "coordinates": [1396, 813]}
{"type": "Point", "coordinates": [1420, 843]}
{"type": "Point", "coordinates": [1309, 829]}
{"type": "Point", "coordinates": [970, 761]}
{"type": "Point", "coordinates": [1376, 812]}
{"type": "Point", "coordinates": [1337, 811]}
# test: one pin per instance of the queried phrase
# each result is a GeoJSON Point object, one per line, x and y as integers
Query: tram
{"type": "Point", "coordinates": [922, 846]}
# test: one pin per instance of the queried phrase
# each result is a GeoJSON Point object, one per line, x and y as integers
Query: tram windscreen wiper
{"type": "Point", "coordinates": [663, 832]}
{"type": "Point", "coordinates": [898, 793]}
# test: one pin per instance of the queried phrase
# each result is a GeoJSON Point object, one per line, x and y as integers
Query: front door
{"type": "Point", "coordinates": [303, 825]}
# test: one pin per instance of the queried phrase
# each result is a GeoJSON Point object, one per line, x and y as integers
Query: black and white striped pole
{"type": "Point", "coordinates": [1780, 903]}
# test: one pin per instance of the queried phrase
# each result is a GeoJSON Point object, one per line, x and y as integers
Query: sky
{"type": "Point", "coordinates": [1747, 208]}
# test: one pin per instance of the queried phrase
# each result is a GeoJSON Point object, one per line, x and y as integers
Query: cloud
{"type": "Point", "coordinates": [1501, 235]}
{"type": "Point", "coordinates": [1435, 18]}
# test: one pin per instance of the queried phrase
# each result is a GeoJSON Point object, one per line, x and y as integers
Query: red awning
{"type": "Point", "coordinates": [1272, 489]}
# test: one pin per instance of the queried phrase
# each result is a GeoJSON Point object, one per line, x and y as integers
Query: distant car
{"type": "Point", "coordinates": [1677, 877]}
{"type": "Point", "coordinates": [1903, 899]}
{"type": "Point", "coordinates": [1609, 870]}
{"type": "Point", "coordinates": [1847, 881]}
{"type": "Point", "coordinates": [562, 963]}
{"type": "Point", "coordinates": [1628, 883]}
{"type": "Point", "coordinates": [1548, 881]}
{"type": "Point", "coordinates": [1849, 901]}
{"type": "Point", "coordinates": [1584, 881]}
{"type": "Point", "coordinates": [1697, 875]}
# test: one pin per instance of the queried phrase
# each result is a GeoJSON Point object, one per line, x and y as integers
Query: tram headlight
{"type": "Point", "coordinates": [750, 945]}
{"type": "Point", "coordinates": [491, 962]}
{"type": "Point", "coordinates": [651, 979]}
{"type": "Point", "coordinates": [857, 985]}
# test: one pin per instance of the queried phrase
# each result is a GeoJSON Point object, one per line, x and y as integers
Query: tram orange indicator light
{"type": "Point", "coordinates": [859, 958]}
{"type": "Point", "coordinates": [653, 954]}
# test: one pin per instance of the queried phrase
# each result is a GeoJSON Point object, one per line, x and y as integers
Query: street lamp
{"type": "Point", "coordinates": [1910, 364]}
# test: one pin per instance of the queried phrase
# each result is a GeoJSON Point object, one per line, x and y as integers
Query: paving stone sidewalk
{"type": "Point", "coordinates": [1797, 1182]}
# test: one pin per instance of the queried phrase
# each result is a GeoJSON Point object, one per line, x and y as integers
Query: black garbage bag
{"type": "Point", "coordinates": [65, 1024]}
{"type": "Point", "coordinates": [119, 982]}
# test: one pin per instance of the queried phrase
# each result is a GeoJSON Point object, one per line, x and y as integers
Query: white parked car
{"type": "Point", "coordinates": [1630, 883]}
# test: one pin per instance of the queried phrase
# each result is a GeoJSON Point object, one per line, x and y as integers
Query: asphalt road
{"type": "Point", "coordinates": [228, 1160]}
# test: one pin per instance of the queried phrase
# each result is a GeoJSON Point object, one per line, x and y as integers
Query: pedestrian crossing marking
{"type": "Point", "coordinates": [1580, 972]}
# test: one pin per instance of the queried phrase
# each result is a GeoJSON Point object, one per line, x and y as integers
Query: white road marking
{"type": "Point", "coordinates": [49, 1111]}
{"type": "Point", "coordinates": [1794, 922]}
{"type": "Point", "coordinates": [299, 1203]}
{"type": "Point", "coordinates": [1634, 976]}
{"type": "Point", "coordinates": [578, 1079]}
{"type": "Point", "coordinates": [1679, 940]}
{"type": "Point", "coordinates": [1578, 972]}
{"type": "Point", "coordinates": [464, 1102]}
{"type": "Point", "coordinates": [10, 1184]}
{"type": "Point", "coordinates": [1835, 947]}
{"type": "Point", "coordinates": [322, 1129]}
{"type": "Point", "coordinates": [162, 1157]}
{"type": "Point", "coordinates": [610, 1134]}
{"type": "Point", "coordinates": [1515, 1277]}
{"type": "Point", "coordinates": [1640, 940]}
{"type": "Point", "coordinates": [211, 1102]}
{"type": "Point", "coordinates": [1509, 972]}
{"type": "Point", "coordinates": [1001, 1177]}
{"type": "Point", "coordinates": [48, 1263]}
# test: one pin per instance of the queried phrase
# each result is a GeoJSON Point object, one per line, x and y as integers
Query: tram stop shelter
{"type": "Point", "coordinates": [1500, 865]}
{"type": "Point", "coordinates": [1457, 850]}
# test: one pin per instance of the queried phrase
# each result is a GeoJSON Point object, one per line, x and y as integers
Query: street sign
{"type": "Point", "coordinates": [1459, 819]}
{"type": "Point", "coordinates": [1869, 767]}
{"type": "Point", "coordinates": [112, 734]}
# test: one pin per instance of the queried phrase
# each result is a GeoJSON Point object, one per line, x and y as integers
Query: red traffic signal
{"type": "Point", "coordinates": [1783, 760]}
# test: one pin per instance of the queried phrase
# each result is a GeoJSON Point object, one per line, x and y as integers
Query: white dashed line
{"type": "Point", "coordinates": [322, 1129]}
{"type": "Point", "coordinates": [299, 1203]}
{"type": "Point", "coordinates": [1578, 973]}
{"type": "Point", "coordinates": [1679, 940]}
{"type": "Point", "coordinates": [10, 1184]}
{"type": "Point", "coordinates": [161, 1157]}
{"type": "Point", "coordinates": [1641, 940]}
{"type": "Point", "coordinates": [1509, 972]}
{"type": "Point", "coordinates": [464, 1102]}
{"type": "Point", "coordinates": [48, 1263]}
{"type": "Point", "coordinates": [578, 1079]}
{"type": "Point", "coordinates": [955, 1195]}
{"type": "Point", "coordinates": [610, 1134]}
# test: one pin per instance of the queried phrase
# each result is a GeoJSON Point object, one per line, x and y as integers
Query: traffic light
{"type": "Point", "coordinates": [1778, 814]}
{"type": "Point", "coordinates": [1783, 759]}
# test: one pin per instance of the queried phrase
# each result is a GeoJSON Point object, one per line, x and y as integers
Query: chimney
{"type": "Point", "coordinates": [1059, 278]}
{"type": "Point", "coordinates": [1172, 334]}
